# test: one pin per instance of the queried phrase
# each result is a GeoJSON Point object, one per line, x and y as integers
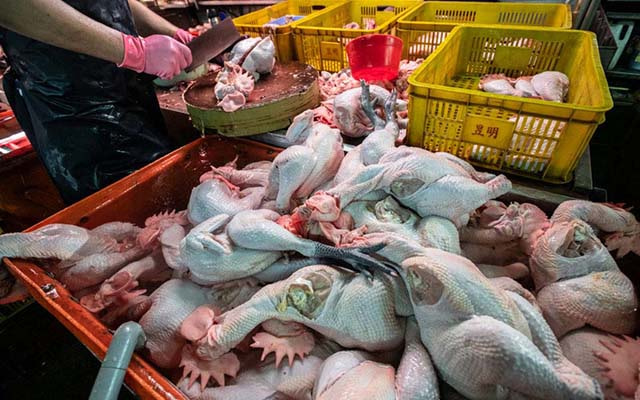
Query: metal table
{"type": "Point", "coordinates": [524, 190]}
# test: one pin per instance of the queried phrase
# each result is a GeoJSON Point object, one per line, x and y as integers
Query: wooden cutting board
{"type": "Point", "coordinates": [277, 98]}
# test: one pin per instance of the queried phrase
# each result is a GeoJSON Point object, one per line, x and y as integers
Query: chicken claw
{"type": "Point", "coordinates": [196, 367]}
{"type": "Point", "coordinates": [357, 258]}
{"type": "Point", "coordinates": [299, 345]}
{"type": "Point", "coordinates": [368, 106]}
{"type": "Point", "coordinates": [620, 363]}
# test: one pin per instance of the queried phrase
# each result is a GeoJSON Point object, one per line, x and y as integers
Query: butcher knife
{"type": "Point", "coordinates": [212, 43]}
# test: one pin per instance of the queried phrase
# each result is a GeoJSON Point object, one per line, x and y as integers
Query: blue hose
{"type": "Point", "coordinates": [128, 337]}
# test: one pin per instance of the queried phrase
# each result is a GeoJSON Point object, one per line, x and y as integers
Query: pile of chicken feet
{"type": "Point", "coordinates": [388, 273]}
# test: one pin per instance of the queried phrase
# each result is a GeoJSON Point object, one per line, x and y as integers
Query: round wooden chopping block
{"type": "Point", "coordinates": [277, 98]}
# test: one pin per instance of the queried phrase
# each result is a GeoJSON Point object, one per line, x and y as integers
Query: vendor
{"type": "Point", "coordinates": [76, 88]}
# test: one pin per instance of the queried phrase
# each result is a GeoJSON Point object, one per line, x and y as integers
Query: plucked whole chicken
{"type": "Point", "coordinates": [390, 273]}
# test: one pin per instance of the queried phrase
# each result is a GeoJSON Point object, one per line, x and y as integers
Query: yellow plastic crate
{"type": "Point", "coordinates": [424, 28]}
{"type": "Point", "coordinates": [321, 39]}
{"type": "Point", "coordinates": [252, 24]}
{"type": "Point", "coordinates": [534, 138]}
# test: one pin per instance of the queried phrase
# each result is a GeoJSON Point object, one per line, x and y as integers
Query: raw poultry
{"type": "Point", "coordinates": [392, 278]}
{"type": "Point", "coordinates": [547, 85]}
{"type": "Point", "coordinates": [248, 59]}
{"type": "Point", "coordinates": [350, 119]}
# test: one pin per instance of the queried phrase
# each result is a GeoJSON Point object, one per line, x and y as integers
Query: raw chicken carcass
{"type": "Point", "coordinates": [233, 86]}
{"type": "Point", "coordinates": [551, 85]}
{"type": "Point", "coordinates": [86, 257]}
{"type": "Point", "coordinates": [258, 230]}
{"type": "Point", "coordinates": [121, 293]}
{"type": "Point", "coordinates": [367, 23]}
{"type": "Point", "coordinates": [59, 241]}
{"type": "Point", "coordinates": [605, 300]}
{"type": "Point", "coordinates": [356, 375]}
{"type": "Point", "coordinates": [388, 216]}
{"type": "Point", "coordinates": [522, 222]}
{"type": "Point", "coordinates": [344, 307]}
{"type": "Point", "coordinates": [428, 183]}
{"type": "Point", "coordinates": [211, 256]}
{"type": "Point", "coordinates": [620, 226]}
{"type": "Point", "coordinates": [217, 196]}
{"type": "Point", "coordinates": [377, 143]}
{"type": "Point", "coordinates": [171, 304]}
{"type": "Point", "coordinates": [498, 84]}
{"type": "Point", "coordinates": [300, 169]}
{"type": "Point", "coordinates": [548, 85]}
{"type": "Point", "coordinates": [524, 85]}
{"type": "Point", "coordinates": [568, 250]}
{"type": "Point", "coordinates": [579, 283]}
{"type": "Point", "coordinates": [498, 254]}
{"type": "Point", "coordinates": [219, 251]}
{"type": "Point", "coordinates": [254, 174]}
{"type": "Point", "coordinates": [349, 116]}
{"type": "Point", "coordinates": [332, 85]}
{"type": "Point", "coordinates": [404, 71]}
{"type": "Point", "coordinates": [484, 341]}
{"type": "Point", "coordinates": [612, 360]}
{"type": "Point", "coordinates": [503, 343]}
{"type": "Point", "coordinates": [262, 382]}
{"type": "Point", "coordinates": [156, 225]}
{"type": "Point", "coordinates": [386, 131]}
{"type": "Point", "coordinates": [255, 55]}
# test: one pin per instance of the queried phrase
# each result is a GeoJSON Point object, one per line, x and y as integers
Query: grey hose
{"type": "Point", "coordinates": [128, 337]}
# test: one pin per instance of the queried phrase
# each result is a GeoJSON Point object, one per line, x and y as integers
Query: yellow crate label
{"type": "Point", "coordinates": [488, 131]}
{"type": "Point", "coordinates": [331, 51]}
{"type": "Point", "coordinates": [508, 57]}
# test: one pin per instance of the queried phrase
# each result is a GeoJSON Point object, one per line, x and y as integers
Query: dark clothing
{"type": "Point", "coordinates": [91, 122]}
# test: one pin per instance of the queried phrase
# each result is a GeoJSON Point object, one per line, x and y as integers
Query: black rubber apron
{"type": "Point", "coordinates": [90, 122]}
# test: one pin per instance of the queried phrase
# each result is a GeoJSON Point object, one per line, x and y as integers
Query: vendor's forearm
{"type": "Point", "coordinates": [148, 22]}
{"type": "Point", "coordinates": [56, 23]}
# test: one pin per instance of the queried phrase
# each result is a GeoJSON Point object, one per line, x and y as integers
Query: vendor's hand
{"type": "Point", "coordinates": [157, 55]}
{"type": "Point", "coordinates": [183, 36]}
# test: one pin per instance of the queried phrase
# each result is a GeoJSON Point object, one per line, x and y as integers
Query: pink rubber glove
{"type": "Point", "coordinates": [183, 36]}
{"type": "Point", "coordinates": [157, 55]}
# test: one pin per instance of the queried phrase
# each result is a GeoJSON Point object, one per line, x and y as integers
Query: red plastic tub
{"type": "Point", "coordinates": [375, 57]}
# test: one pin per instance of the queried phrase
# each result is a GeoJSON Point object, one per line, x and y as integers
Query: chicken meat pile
{"type": "Point", "coordinates": [387, 273]}
{"type": "Point", "coordinates": [341, 107]}
{"type": "Point", "coordinates": [248, 59]}
{"type": "Point", "coordinates": [548, 85]}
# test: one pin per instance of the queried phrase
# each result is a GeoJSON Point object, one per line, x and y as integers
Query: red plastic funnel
{"type": "Point", "coordinates": [375, 57]}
